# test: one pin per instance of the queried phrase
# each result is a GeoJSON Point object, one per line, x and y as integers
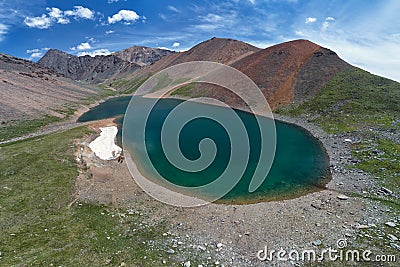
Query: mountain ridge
{"type": "Point", "coordinates": [86, 68]}
{"type": "Point", "coordinates": [29, 90]}
{"type": "Point", "coordinates": [142, 55]}
{"type": "Point", "coordinates": [290, 72]}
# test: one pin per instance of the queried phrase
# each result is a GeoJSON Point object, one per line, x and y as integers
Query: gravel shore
{"type": "Point", "coordinates": [231, 235]}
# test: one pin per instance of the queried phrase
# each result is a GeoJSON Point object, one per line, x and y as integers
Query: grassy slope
{"type": "Point", "coordinates": [36, 228]}
{"type": "Point", "coordinates": [354, 100]}
{"type": "Point", "coordinates": [358, 102]}
{"type": "Point", "coordinates": [19, 128]}
{"type": "Point", "coordinates": [126, 86]}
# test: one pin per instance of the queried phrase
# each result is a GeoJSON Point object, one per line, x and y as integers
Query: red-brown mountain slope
{"type": "Point", "coordinates": [291, 71]}
{"type": "Point", "coordinates": [220, 50]}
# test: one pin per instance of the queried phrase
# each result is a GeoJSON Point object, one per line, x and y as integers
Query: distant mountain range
{"type": "Point", "coordinates": [291, 72]}
{"type": "Point", "coordinates": [99, 68]}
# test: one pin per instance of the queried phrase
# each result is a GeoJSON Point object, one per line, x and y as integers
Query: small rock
{"type": "Point", "coordinates": [348, 235]}
{"type": "Point", "coordinates": [200, 265]}
{"type": "Point", "coordinates": [395, 246]}
{"type": "Point", "coordinates": [316, 206]}
{"type": "Point", "coordinates": [247, 233]}
{"type": "Point", "coordinates": [164, 261]}
{"type": "Point", "coordinates": [170, 251]}
{"type": "Point", "coordinates": [362, 226]}
{"type": "Point", "coordinates": [187, 264]}
{"type": "Point", "coordinates": [220, 245]}
{"type": "Point", "coordinates": [342, 197]}
{"type": "Point", "coordinates": [348, 140]}
{"type": "Point", "coordinates": [317, 242]}
{"type": "Point", "coordinates": [392, 237]}
{"type": "Point", "coordinates": [387, 191]}
{"type": "Point", "coordinates": [201, 248]}
{"type": "Point", "coordinates": [318, 224]}
{"type": "Point", "coordinates": [391, 224]}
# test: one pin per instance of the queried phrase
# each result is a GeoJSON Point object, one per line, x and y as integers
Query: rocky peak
{"type": "Point", "coordinates": [142, 55]}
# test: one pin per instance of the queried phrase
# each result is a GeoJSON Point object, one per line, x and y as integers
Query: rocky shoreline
{"type": "Point", "coordinates": [231, 235]}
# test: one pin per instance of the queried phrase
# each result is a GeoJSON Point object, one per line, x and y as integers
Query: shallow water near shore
{"type": "Point", "coordinates": [300, 165]}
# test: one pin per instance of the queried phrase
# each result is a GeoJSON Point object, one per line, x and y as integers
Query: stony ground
{"type": "Point", "coordinates": [231, 235]}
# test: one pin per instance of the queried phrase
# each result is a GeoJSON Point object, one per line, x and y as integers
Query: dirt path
{"type": "Point", "coordinates": [49, 129]}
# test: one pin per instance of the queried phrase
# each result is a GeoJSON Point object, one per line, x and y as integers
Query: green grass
{"type": "Point", "coordinates": [357, 101]}
{"type": "Point", "coordinates": [163, 80]}
{"type": "Point", "coordinates": [380, 158]}
{"type": "Point", "coordinates": [36, 228]}
{"type": "Point", "coordinates": [186, 91]}
{"type": "Point", "coordinates": [353, 100]}
{"type": "Point", "coordinates": [20, 128]}
{"type": "Point", "coordinates": [126, 86]}
{"type": "Point", "coordinates": [12, 129]}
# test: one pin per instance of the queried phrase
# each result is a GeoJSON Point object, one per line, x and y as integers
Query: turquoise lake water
{"type": "Point", "coordinates": [300, 165]}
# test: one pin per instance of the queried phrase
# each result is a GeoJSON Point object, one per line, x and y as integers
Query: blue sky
{"type": "Point", "coordinates": [363, 32]}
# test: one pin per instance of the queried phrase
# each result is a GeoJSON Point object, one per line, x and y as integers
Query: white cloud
{"type": "Point", "coordinates": [301, 34]}
{"type": "Point", "coordinates": [311, 20]}
{"type": "Point", "coordinates": [326, 23]}
{"type": "Point", "coordinates": [364, 49]}
{"type": "Point", "coordinates": [115, 1]}
{"type": "Point", "coordinates": [368, 55]}
{"type": "Point", "coordinates": [56, 15]}
{"type": "Point", "coordinates": [127, 16]}
{"type": "Point", "coordinates": [3, 30]}
{"type": "Point", "coordinates": [36, 55]}
{"type": "Point", "coordinates": [212, 22]}
{"type": "Point", "coordinates": [176, 44]}
{"type": "Point", "coordinates": [82, 46]}
{"type": "Point", "coordinates": [252, 1]}
{"type": "Point", "coordinates": [324, 26]}
{"type": "Point", "coordinates": [163, 47]}
{"type": "Point", "coordinates": [80, 12]}
{"type": "Point", "coordinates": [213, 18]}
{"type": "Point", "coordinates": [172, 8]}
{"type": "Point", "coordinates": [42, 22]}
{"type": "Point", "coordinates": [98, 52]}
{"type": "Point", "coordinates": [36, 52]}
{"type": "Point", "coordinates": [110, 32]}
{"type": "Point", "coordinates": [55, 12]}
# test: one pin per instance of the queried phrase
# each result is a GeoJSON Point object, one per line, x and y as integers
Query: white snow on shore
{"type": "Point", "coordinates": [104, 146]}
